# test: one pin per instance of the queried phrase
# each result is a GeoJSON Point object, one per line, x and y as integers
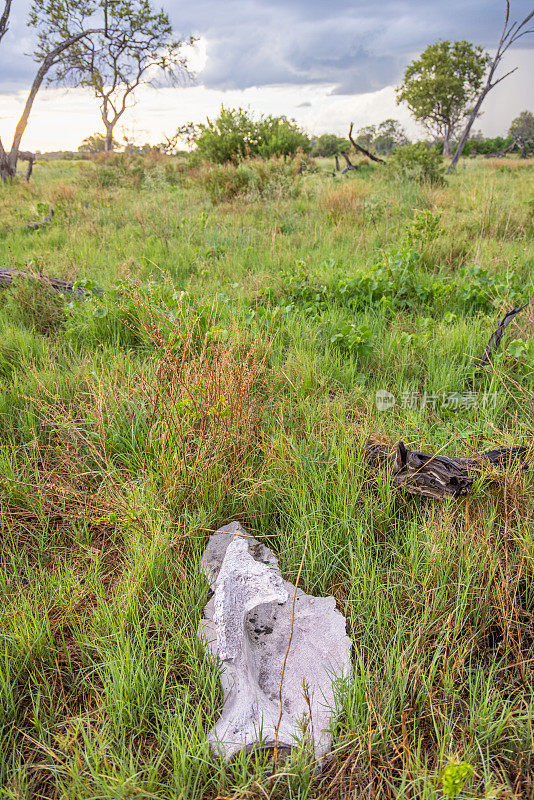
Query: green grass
{"type": "Point", "coordinates": [224, 366]}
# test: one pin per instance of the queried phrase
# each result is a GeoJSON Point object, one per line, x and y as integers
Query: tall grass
{"type": "Point", "coordinates": [224, 364]}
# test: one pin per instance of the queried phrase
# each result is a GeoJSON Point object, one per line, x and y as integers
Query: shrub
{"type": "Point", "coordinates": [417, 162]}
{"type": "Point", "coordinates": [236, 135]}
{"type": "Point", "coordinates": [328, 145]}
{"type": "Point", "coordinates": [272, 178]}
{"type": "Point", "coordinates": [122, 169]}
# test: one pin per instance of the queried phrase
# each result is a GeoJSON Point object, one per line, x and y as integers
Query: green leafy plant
{"type": "Point", "coordinates": [236, 134]}
{"type": "Point", "coordinates": [352, 339]}
{"type": "Point", "coordinates": [417, 162]}
{"type": "Point", "coordinates": [454, 776]}
{"type": "Point", "coordinates": [424, 228]}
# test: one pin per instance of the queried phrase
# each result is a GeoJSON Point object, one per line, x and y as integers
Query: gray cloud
{"type": "Point", "coordinates": [353, 45]}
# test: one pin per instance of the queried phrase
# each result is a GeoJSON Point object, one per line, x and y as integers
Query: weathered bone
{"type": "Point", "coordinates": [247, 625]}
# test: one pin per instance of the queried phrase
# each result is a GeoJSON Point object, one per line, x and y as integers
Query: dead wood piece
{"type": "Point", "coordinates": [337, 163]}
{"type": "Point", "coordinates": [33, 226]}
{"type": "Point", "coordinates": [24, 155]}
{"type": "Point", "coordinates": [64, 287]}
{"type": "Point", "coordinates": [439, 476]}
{"type": "Point", "coordinates": [348, 163]}
{"type": "Point", "coordinates": [495, 338]}
{"type": "Point", "coordinates": [501, 153]}
{"type": "Point", "coordinates": [362, 149]}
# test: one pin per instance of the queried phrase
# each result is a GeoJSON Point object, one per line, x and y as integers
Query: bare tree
{"type": "Point", "coordinates": [511, 32]}
{"type": "Point", "coordinates": [136, 45]}
{"type": "Point", "coordinates": [69, 33]}
{"type": "Point", "coordinates": [4, 19]}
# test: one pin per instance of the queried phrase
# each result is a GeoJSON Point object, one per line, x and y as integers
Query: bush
{"type": "Point", "coordinates": [272, 178]}
{"type": "Point", "coordinates": [417, 162]}
{"type": "Point", "coordinates": [121, 169]}
{"type": "Point", "coordinates": [236, 135]}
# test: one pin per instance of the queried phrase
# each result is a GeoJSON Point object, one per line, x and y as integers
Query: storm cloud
{"type": "Point", "coordinates": [354, 47]}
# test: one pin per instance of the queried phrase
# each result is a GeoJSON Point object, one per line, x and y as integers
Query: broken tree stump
{"type": "Point", "coordinates": [439, 476]}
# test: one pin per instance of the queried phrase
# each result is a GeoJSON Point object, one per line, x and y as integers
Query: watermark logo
{"type": "Point", "coordinates": [384, 400]}
{"type": "Point", "coordinates": [446, 400]}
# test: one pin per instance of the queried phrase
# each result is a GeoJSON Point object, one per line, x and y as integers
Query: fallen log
{"type": "Point", "coordinates": [501, 153]}
{"type": "Point", "coordinates": [362, 149]}
{"type": "Point", "coordinates": [438, 476]}
{"type": "Point", "coordinates": [495, 338]}
{"type": "Point", "coordinates": [64, 287]}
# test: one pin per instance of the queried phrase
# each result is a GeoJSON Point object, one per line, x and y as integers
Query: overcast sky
{"type": "Point", "coordinates": [323, 62]}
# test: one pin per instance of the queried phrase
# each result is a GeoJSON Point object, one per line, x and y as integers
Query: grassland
{"type": "Point", "coordinates": [224, 364]}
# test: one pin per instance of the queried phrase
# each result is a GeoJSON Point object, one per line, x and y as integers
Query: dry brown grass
{"type": "Point", "coordinates": [346, 201]}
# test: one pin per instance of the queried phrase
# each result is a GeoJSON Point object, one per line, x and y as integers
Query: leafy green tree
{"type": "Point", "coordinates": [383, 138]}
{"type": "Point", "coordinates": [366, 136]}
{"type": "Point", "coordinates": [328, 144]}
{"type": "Point", "coordinates": [389, 135]}
{"type": "Point", "coordinates": [280, 136]}
{"type": "Point", "coordinates": [522, 131]}
{"type": "Point", "coordinates": [136, 43]}
{"type": "Point", "coordinates": [439, 86]}
{"type": "Point", "coordinates": [235, 135]}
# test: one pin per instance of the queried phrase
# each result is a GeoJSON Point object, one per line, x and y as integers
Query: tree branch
{"type": "Point", "coordinates": [510, 34]}
{"type": "Point", "coordinates": [4, 19]}
{"type": "Point", "coordinates": [362, 149]}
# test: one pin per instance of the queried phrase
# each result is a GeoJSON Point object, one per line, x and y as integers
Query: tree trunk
{"type": "Point", "coordinates": [447, 144]}
{"type": "Point", "coordinates": [5, 171]}
{"type": "Point", "coordinates": [8, 161]}
{"type": "Point", "coordinates": [108, 141]}
{"type": "Point", "coordinates": [467, 130]}
{"type": "Point", "coordinates": [4, 19]}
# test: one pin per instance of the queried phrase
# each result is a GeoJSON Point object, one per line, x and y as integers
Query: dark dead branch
{"type": "Point", "coordinates": [437, 476]}
{"type": "Point", "coordinates": [4, 19]}
{"type": "Point", "coordinates": [64, 287]}
{"type": "Point", "coordinates": [33, 226]}
{"type": "Point", "coordinates": [511, 33]}
{"type": "Point", "coordinates": [337, 163]}
{"type": "Point", "coordinates": [24, 155]}
{"type": "Point", "coordinates": [348, 163]}
{"type": "Point", "coordinates": [362, 149]}
{"type": "Point", "coordinates": [495, 338]}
